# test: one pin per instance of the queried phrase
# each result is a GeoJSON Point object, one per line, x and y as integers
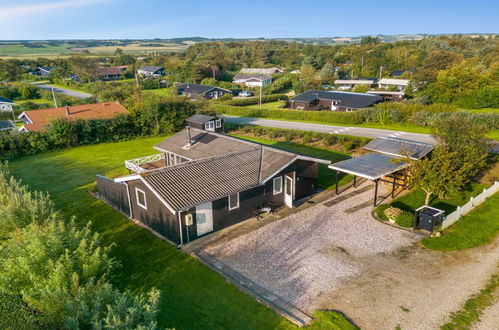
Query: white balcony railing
{"type": "Point", "coordinates": [134, 164]}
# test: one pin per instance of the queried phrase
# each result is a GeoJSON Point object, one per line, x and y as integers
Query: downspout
{"type": "Point", "coordinates": [180, 230]}
{"type": "Point", "coordinates": [129, 199]}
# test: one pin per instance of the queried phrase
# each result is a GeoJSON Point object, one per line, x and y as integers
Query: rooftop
{"type": "Point", "coordinates": [391, 81]}
{"type": "Point", "coordinates": [4, 100]}
{"type": "Point", "coordinates": [199, 118]}
{"type": "Point", "coordinates": [252, 77]}
{"type": "Point", "coordinates": [6, 124]}
{"type": "Point", "coordinates": [370, 166]}
{"type": "Point", "coordinates": [346, 99]}
{"type": "Point", "coordinates": [399, 147]}
{"type": "Point", "coordinates": [151, 68]}
{"type": "Point", "coordinates": [109, 71]}
{"type": "Point", "coordinates": [261, 70]}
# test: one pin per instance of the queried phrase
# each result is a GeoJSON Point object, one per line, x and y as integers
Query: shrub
{"type": "Point", "coordinates": [393, 212]}
{"type": "Point", "coordinates": [256, 99]}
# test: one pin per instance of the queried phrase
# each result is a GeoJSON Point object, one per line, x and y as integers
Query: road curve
{"type": "Point", "coordinates": [344, 130]}
{"type": "Point", "coordinates": [64, 91]}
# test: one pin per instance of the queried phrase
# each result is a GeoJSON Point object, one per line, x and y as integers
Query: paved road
{"type": "Point", "coordinates": [356, 131]}
{"type": "Point", "coordinates": [64, 91]}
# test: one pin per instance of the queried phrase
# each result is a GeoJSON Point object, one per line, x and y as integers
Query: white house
{"type": "Point", "coordinates": [253, 80]}
{"type": "Point", "coordinates": [387, 83]}
{"type": "Point", "coordinates": [350, 83]}
{"type": "Point", "coordinates": [151, 71]}
{"type": "Point", "coordinates": [5, 105]}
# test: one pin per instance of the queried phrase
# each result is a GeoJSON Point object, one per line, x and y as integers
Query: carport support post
{"type": "Point", "coordinates": [375, 191]}
{"type": "Point", "coordinates": [394, 183]}
{"type": "Point", "coordinates": [337, 173]}
{"type": "Point", "coordinates": [354, 181]}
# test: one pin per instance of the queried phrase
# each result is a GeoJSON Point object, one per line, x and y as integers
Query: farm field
{"type": "Point", "coordinates": [35, 50]}
{"type": "Point", "coordinates": [136, 48]}
{"type": "Point", "coordinates": [193, 296]}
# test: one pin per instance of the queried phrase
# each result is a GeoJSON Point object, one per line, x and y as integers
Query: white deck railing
{"type": "Point", "coordinates": [466, 208]}
{"type": "Point", "coordinates": [134, 164]}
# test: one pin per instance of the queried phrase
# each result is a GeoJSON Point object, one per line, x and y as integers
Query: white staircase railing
{"type": "Point", "coordinates": [134, 164]}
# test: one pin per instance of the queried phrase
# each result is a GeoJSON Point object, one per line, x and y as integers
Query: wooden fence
{"type": "Point", "coordinates": [468, 207]}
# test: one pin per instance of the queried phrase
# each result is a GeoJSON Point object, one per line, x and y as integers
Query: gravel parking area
{"type": "Point", "coordinates": [310, 253]}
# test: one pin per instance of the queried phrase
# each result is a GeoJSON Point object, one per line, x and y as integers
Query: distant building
{"type": "Point", "coordinates": [351, 83]}
{"type": "Point", "coordinates": [197, 91]}
{"type": "Point", "coordinates": [335, 101]}
{"type": "Point", "coordinates": [389, 96]}
{"type": "Point", "coordinates": [39, 120]}
{"type": "Point", "coordinates": [388, 83]}
{"type": "Point", "coordinates": [45, 71]}
{"type": "Point", "coordinates": [110, 73]}
{"type": "Point", "coordinates": [151, 71]}
{"type": "Point", "coordinates": [6, 125]}
{"type": "Point", "coordinates": [5, 105]}
{"type": "Point", "coordinates": [267, 71]}
{"type": "Point", "coordinates": [398, 73]}
{"type": "Point", "coordinates": [253, 80]}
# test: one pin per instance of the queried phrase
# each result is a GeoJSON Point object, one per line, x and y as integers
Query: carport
{"type": "Point", "coordinates": [387, 161]}
{"type": "Point", "coordinates": [375, 167]}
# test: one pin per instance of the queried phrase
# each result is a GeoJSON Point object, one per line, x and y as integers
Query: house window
{"type": "Point", "coordinates": [209, 126]}
{"type": "Point", "coordinates": [141, 198]}
{"type": "Point", "coordinates": [218, 123]}
{"type": "Point", "coordinates": [277, 185]}
{"type": "Point", "coordinates": [233, 201]}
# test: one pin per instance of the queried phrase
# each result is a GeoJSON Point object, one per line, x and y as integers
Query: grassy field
{"type": "Point", "coordinates": [135, 48]}
{"type": "Point", "coordinates": [15, 50]}
{"type": "Point", "coordinates": [193, 296]}
{"type": "Point", "coordinates": [476, 228]}
{"type": "Point", "coordinates": [161, 91]}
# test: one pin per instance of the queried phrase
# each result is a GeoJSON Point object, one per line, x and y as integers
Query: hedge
{"type": "Point", "coordinates": [256, 99]}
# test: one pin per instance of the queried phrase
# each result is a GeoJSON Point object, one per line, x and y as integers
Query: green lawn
{"type": "Point", "coordinates": [269, 105]}
{"type": "Point", "coordinates": [36, 101]}
{"type": "Point", "coordinates": [161, 91]}
{"type": "Point", "coordinates": [476, 228]}
{"type": "Point", "coordinates": [193, 296]}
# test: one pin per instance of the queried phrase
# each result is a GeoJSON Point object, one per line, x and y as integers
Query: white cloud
{"type": "Point", "coordinates": [14, 12]}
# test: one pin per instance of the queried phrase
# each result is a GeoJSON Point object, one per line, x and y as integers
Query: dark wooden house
{"type": "Point", "coordinates": [208, 181]}
{"type": "Point", "coordinates": [197, 91]}
{"type": "Point", "coordinates": [335, 101]}
{"type": "Point", "coordinates": [209, 123]}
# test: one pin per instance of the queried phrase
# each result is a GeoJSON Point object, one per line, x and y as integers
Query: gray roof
{"type": "Point", "coordinates": [261, 70]}
{"type": "Point", "coordinates": [371, 166]}
{"type": "Point", "coordinates": [4, 100]}
{"type": "Point", "coordinates": [199, 118]}
{"type": "Point", "coordinates": [196, 88]}
{"type": "Point", "coordinates": [346, 99]}
{"type": "Point", "coordinates": [399, 147]}
{"type": "Point", "coordinates": [6, 124]}
{"type": "Point", "coordinates": [46, 68]}
{"type": "Point", "coordinates": [151, 68]}
{"type": "Point", "coordinates": [252, 77]}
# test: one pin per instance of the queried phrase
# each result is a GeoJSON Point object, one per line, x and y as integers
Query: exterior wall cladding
{"type": "Point", "coordinates": [159, 218]}
{"type": "Point", "coordinates": [321, 104]}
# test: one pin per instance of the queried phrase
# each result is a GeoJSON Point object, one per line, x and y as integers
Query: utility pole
{"type": "Point", "coordinates": [213, 72]}
{"type": "Point", "coordinates": [261, 91]}
{"type": "Point", "coordinates": [136, 79]}
{"type": "Point", "coordinates": [53, 96]}
{"type": "Point", "coordinates": [380, 72]}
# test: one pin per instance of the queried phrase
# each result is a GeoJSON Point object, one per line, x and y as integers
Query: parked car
{"type": "Point", "coordinates": [245, 94]}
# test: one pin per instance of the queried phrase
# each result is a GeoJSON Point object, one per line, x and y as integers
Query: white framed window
{"type": "Point", "coordinates": [209, 126]}
{"type": "Point", "coordinates": [277, 189]}
{"type": "Point", "coordinates": [141, 198]}
{"type": "Point", "coordinates": [233, 201]}
{"type": "Point", "coordinates": [218, 123]}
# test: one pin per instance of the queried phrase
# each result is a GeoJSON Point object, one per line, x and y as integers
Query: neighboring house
{"type": "Point", "coordinates": [197, 91]}
{"type": "Point", "coordinates": [209, 123]}
{"type": "Point", "coordinates": [5, 105]}
{"type": "Point", "coordinates": [110, 73]}
{"type": "Point", "coordinates": [388, 83]}
{"type": "Point", "coordinates": [253, 80]}
{"type": "Point", "coordinates": [208, 181]}
{"type": "Point", "coordinates": [351, 83]}
{"type": "Point", "coordinates": [39, 120]}
{"type": "Point", "coordinates": [295, 72]}
{"type": "Point", "coordinates": [151, 71]}
{"type": "Point", "coordinates": [6, 125]}
{"type": "Point", "coordinates": [398, 73]}
{"type": "Point", "coordinates": [389, 96]}
{"type": "Point", "coordinates": [45, 71]}
{"type": "Point", "coordinates": [260, 71]}
{"type": "Point", "coordinates": [335, 101]}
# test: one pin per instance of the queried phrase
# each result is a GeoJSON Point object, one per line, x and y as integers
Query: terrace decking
{"type": "Point", "coordinates": [147, 163]}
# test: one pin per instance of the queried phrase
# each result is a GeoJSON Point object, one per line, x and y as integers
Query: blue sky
{"type": "Point", "coordinates": [107, 19]}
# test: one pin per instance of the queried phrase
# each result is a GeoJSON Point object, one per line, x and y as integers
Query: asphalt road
{"type": "Point", "coordinates": [64, 91]}
{"type": "Point", "coordinates": [344, 130]}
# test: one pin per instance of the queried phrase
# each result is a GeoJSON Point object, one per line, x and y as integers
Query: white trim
{"type": "Point", "coordinates": [137, 190]}
{"type": "Point", "coordinates": [274, 192]}
{"type": "Point", "coordinates": [228, 202]}
{"type": "Point", "coordinates": [127, 178]}
{"type": "Point", "coordinates": [27, 117]}
{"type": "Point", "coordinates": [129, 199]}
{"type": "Point", "coordinates": [218, 123]}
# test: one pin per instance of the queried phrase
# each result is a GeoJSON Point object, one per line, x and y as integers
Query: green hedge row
{"type": "Point", "coordinates": [256, 99]}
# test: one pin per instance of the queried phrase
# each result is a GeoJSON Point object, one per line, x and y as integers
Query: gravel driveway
{"type": "Point", "coordinates": [310, 253]}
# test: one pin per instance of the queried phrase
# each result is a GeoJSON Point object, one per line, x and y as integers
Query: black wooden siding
{"type": "Point", "coordinates": [113, 193]}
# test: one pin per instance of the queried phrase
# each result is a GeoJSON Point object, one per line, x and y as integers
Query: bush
{"type": "Point", "coordinates": [393, 213]}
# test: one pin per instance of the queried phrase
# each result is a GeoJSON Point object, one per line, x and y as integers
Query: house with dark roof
{"type": "Point", "coordinates": [198, 91]}
{"type": "Point", "coordinates": [45, 71]}
{"type": "Point", "coordinates": [335, 101]}
{"type": "Point", "coordinates": [150, 71]}
{"type": "Point", "coordinates": [253, 80]}
{"type": "Point", "coordinates": [6, 125]}
{"type": "Point", "coordinates": [203, 181]}
{"type": "Point", "coordinates": [5, 104]}
{"type": "Point", "coordinates": [39, 120]}
{"type": "Point", "coordinates": [110, 73]}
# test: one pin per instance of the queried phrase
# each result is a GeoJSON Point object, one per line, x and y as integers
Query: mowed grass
{"type": "Point", "coordinates": [193, 296]}
{"type": "Point", "coordinates": [476, 228]}
{"type": "Point", "coordinates": [20, 49]}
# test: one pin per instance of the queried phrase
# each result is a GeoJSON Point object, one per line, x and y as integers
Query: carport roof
{"type": "Point", "coordinates": [371, 166]}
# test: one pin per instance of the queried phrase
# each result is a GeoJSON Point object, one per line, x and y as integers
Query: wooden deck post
{"type": "Point", "coordinates": [337, 173]}
{"type": "Point", "coordinates": [375, 191]}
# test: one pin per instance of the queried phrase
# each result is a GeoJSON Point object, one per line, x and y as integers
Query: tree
{"type": "Point", "coordinates": [84, 67]}
{"type": "Point", "coordinates": [369, 41]}
{"type": "Point", "coordinates": [327, 74]}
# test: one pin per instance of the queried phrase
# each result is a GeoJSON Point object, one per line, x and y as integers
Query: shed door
{"type": "Point", "coordinates": [289, 189]}
{"type": "Point", "coordinates": [204, 218]}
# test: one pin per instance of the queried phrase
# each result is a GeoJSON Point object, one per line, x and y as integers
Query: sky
{"type": "Point", "coordinates": [148, 19]}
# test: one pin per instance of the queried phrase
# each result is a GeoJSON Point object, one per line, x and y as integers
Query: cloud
{"type": "Point", "coordinates": [25, 10]}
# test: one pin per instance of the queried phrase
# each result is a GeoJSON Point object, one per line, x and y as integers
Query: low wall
{"type": "Point", "coordinates": [114, 193]}
{"type": "Point", "coordinates": [468, 207]}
